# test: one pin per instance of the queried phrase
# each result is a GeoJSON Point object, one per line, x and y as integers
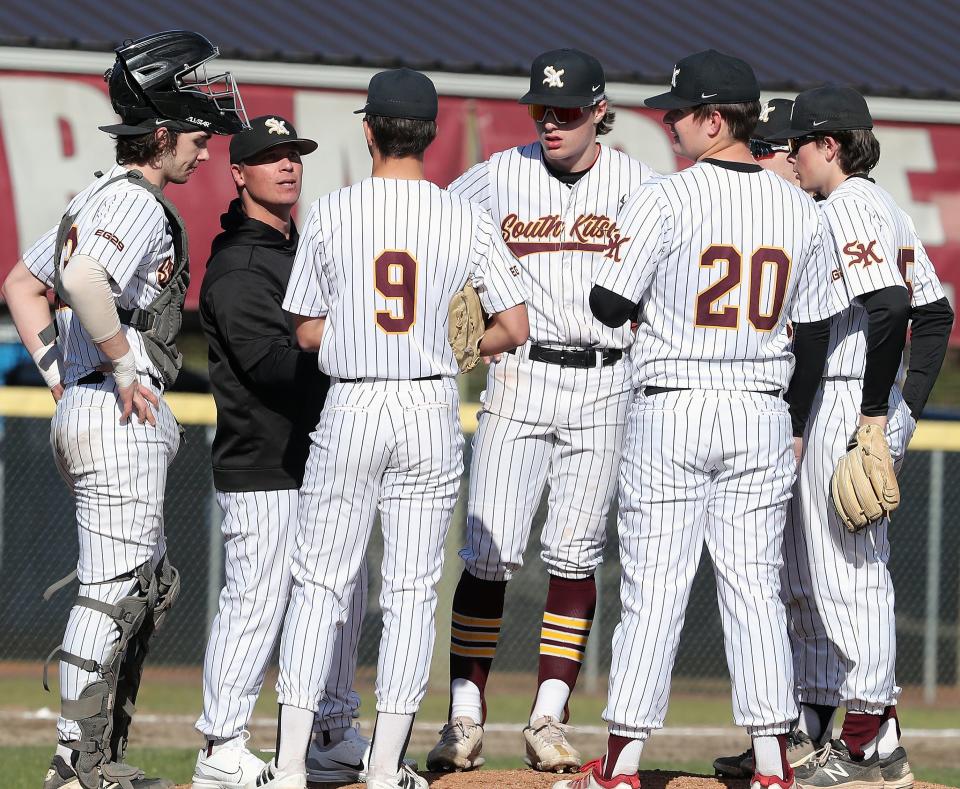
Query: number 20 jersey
{"type": "Point", "coordinates": [380, 260]}
{"type": "Point", "coordinates": [721, 255]}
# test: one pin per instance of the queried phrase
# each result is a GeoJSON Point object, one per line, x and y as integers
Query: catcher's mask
{"type": "Point", "coordinates": [162, 80]}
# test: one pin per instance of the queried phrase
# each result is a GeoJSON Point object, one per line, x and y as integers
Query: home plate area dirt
{"type": "Point", "coordinates": [528, 779]}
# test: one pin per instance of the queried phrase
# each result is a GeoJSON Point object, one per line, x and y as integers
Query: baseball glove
{"type": "Point", "coordinates": [864, 486]}
{"type": "Point", "coordinates": [466, 327]}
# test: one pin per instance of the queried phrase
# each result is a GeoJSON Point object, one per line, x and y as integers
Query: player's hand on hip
{"type": "Point", "coordinates": [57, 392]}
{"type": "Point", "coordinates": [492, 359]}
{"type": "Point", "coordinates": [136, 399]}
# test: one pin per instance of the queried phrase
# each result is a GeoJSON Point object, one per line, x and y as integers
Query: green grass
{"type": "Point", "coordinates": [24, 767]}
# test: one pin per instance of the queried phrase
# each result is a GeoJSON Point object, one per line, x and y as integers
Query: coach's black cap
{"type": "Point", "coordinates": [774, 120]}
{"type": "Point", "coordinates": [265, 132]}
{"type": "Point", "coordinates": [565, 78]}
{"type": "Point", "coordinates": [708, 77]}
{"type": "Point", "coordinates": [401, 93]}
{"type": "Point", "coordinates": [829, 108]}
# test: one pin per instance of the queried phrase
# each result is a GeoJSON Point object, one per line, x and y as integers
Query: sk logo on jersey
{"type": "Point", "coordinates": [588, 233]}
{"type": "Point", "coordinates": [551, 77]}
{"type": "Point", "coordinates": [861, 254]}
{"type": "Point", "coordinates": [276, 126]}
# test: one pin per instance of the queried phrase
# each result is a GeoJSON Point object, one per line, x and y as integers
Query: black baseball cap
{"type": "Point", "coordinates": [774, 120]}
{"type": "Point", "coordinates": [265, 132]}
{"type": "Point", "coordinates": [708, 77]}
{"type": "Point", "coordinates": [828, 108]}
{"type": "Point", "coordinates": [401, 93]}
{"type": "Point", "coordinates": [565, 78]}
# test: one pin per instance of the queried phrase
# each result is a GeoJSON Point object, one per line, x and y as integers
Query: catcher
{"type": "Point", "coordinates": [836, 583]}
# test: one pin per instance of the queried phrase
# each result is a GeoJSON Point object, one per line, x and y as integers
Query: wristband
{"type": "Point", "coordinates": [125, 369]}
{"type": "Point", "coordinates": [49, 363]}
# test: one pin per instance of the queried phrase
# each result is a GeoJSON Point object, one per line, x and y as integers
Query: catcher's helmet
{"type": "Point", "coordinates": [161, 80]}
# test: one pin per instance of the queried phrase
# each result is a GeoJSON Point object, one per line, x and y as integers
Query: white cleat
{"type": "Point", "coordinates": [461, 742]}
{"type": "Point", "coordinates": [272, 777]}
{"type": "Point", "coordinates": [591, 777]}
{"type": "Point", "coordinates": [231, 766]}
{"type": "Point", "coordinates": [548, 749]}
{"type": "Point", "coordinates": [405, 779]}
{"type": "Point", "coordinates": [345, 761]}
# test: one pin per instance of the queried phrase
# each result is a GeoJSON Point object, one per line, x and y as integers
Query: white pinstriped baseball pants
{"type": "Point", "coordinates": [393, 447]}
{"type": "Point", "coordinates": [714, 467]}
{"type": "Point", "coordinates": [259, 528]}
{"type": "Point", "coordinates": [837, 587]}
{"type": "Point", "coordinates": [544, 423]}
{"type": "Point", "coordinates": [118, 476]}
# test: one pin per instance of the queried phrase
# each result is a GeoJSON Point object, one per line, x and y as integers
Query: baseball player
{"type": "Point", "coordinates": [838, 588]}
{"type": "Point", "coordinates": [268, 394]}
{"type": "Point", "coordinates": [377, 267]}
{"type": "Point", "coordinates": [118, 265]}
{"type": "Point", "coordinates": [720, 256]}
{"type": "Point", "coordinates": [768, 146]}
{"type": "Point", "coordinates": [553, 412]}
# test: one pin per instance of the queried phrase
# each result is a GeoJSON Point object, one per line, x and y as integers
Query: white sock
{"type": "Point", "coordinates": [887, 740]}
{"type": "Point", "coordinates": [552, 697]}
{"type": "Point", "coordinates": [465, 700]}
{"type": "Point", "coordinates": [390, 736]}
{"type": "Point", "coordinates": [214, 744]}
{"type": "Point", "coordinates": [628, 762]}
{"type": "Point", "coordinates": [296, 725]}
{"type": "Point", "coordinates": [64, 753]}
{"type": "Point", "coordinates": [768, 756]}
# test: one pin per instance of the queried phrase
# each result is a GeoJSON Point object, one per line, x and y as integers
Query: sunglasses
{"type": "Point", "coordinates": [798, 142]}
{"type": "Point", "coordinates": [562, 115]}
{"type": "Point", "coordinates": [761, 149]}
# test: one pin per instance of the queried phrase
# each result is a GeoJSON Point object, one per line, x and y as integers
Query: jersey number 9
{"type": "Point", "coordinates": [395, 278]}
{"type": "Point", "coordinates": [763, 316]}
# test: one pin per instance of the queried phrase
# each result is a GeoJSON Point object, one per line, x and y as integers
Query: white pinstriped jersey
{"type": "Point", "coordinates": [720, 256]}
{"type": "Point", "coordinates": [563, 236]}
{"type": "Point", "coordinates": [125, 229]}
{"type": "Point", "coordinates": [877, 247]}
{"type": "Point", "coordinates": [381, 260]}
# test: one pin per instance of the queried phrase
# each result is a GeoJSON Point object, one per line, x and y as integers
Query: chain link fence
{"type": "Point", "coordinates": [38, 545]}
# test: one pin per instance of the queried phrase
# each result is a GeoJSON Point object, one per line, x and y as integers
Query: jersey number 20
{"type": "Point", "coordinates": [395, 278]}
{"type": "Point", "coordinates": [765, 262]}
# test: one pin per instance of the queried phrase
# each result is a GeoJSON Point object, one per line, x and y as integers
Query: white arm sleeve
{"type": "Point", "coordinates": [86, 285]}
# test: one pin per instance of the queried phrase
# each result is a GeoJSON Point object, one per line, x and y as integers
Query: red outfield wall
{"type": "Point", "coordinates": [49, 146]}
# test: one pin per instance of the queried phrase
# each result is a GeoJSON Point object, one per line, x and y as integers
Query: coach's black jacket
{"type": "Point", "coordinates": [268, 392]}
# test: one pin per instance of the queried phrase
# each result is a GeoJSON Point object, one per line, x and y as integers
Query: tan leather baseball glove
{"type": "Point", "coordinates": [864, 486]}
{"type": "Point", "coordinates": [466, 327]}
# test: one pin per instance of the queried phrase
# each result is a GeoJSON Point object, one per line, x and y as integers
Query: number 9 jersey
{"type": "Point", "coordinates": [381, 260]}
{"type": "Point", "coordinates": [720, 257]}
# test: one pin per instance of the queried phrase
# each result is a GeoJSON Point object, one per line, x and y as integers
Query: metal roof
{"type": "Point", "coordinates": [885, 47]}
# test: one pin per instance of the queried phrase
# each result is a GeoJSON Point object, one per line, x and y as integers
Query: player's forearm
{"type": "Point", "coordinates": [505, 331]}
{"type": "Point", "coordinates": [309, 332]}
{"type": "Point", "coordinates": [811, 342]}
{"type": "Point", "coordinates": [929, 336]}
{"type": "Point", "coordinates": [284, 368]}
{"type": "Point", "coordinates": [888, 313]}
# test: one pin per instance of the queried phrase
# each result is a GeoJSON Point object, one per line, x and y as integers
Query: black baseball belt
{"type": "Point", "coordinates": [96, 377]}
{"type": "Point", "coordinates": [574, 357]}
{"type": "Point", "coordinates": [655, 390]}
{"type": "Point", "coordinates": [361, 380]}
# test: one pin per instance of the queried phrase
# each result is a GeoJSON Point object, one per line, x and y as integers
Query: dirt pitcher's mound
{"type": "Point", "coordinates": [528, 779]}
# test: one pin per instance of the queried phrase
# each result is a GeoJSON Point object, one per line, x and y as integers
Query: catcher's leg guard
{"type": "Point", "coordinates": [163, 591]}
{"type": "Point", "coordinates": [105, 708]}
